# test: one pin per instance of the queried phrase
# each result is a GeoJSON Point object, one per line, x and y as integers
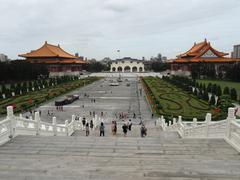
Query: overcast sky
{"type": "Point", "coordinates": [98, 28]}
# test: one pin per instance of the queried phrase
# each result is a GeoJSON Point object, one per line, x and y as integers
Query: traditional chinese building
{"type": "Point", "coordinates": [58, 61]}
{"type": "Point", "coordinates": [203, 55]}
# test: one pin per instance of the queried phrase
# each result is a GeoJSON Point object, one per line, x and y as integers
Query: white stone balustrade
{"type": "Point", "coordinates": [228, 129]}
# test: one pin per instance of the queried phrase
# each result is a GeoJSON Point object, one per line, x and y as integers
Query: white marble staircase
{"type": "Point", "coordinates": [164, 156]}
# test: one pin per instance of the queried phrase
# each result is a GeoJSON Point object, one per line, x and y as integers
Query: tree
{"type": "Point", "coordinates": [12, 87]}
{"type": "Point", "coordinates": [225, 102]}
{"type": "Point", "coordinates": [219, 91]}
{"type": "Point", "coordinates": [4, 89]}
{"type": "Point", "coordinates": [209, 87]}
{"type": "Point", "coordinates": [212, 100]}
{"type": "Point", "coordinates": [226, 91]}
{"type": "Point", "coordinates": [233, 94]}
{"type": "Point", "coordinates": [158, 66]}
{"type": "Point", "coordinates": [205, 95]}
{"type": "Point", "coordinates": [24, 87]}
{"type": "Point", "coordinates": [214, 89]}
{"type": "Point", "coordinates": [18, 70]}
{"type": "Point", "coordinates": [18, 88]}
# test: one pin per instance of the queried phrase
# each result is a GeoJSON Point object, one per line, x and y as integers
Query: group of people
{"type": "Point", "coordinates": [125, 128]}
{"type": "Point", "coordinates": [87, 126]}
{"type": "Point", "coordinates": [59, 108]}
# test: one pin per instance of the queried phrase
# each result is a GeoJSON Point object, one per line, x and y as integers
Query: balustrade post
{"type": "Point", "coordinates": [174, 121]}
{"type": "Point", "coordinates": [38, 123]}
{"type": "Point", "coordinates": [169, 122]}
{"type": "Point", "coordinates": [194, 122]}
{"type": "Point", "coordinates": [74, 122]}
{"type": "Point", "coordinates": [164, 124]}
{"type": "Point", "coordinates": [54, 122]}
{"type": "Point", "coordinates": [231, 117]}
{"type": "Point", "coordinates": [20, 115]}
{"type": "Point", "coordinates": [66, 126]}
{"type": "Point", "coordinates": [179, 119]}
{"type": "Point", "coordinates": [12, 121]}
{"type": "Point", "coordinates": [208, 120]}
{"type": "Point", "coordinates": [162, 121]}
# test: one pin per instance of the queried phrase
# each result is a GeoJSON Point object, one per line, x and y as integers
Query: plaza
{"type": "Point", "coordinates": [109, 100]}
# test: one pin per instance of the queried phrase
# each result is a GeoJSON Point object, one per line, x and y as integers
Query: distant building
{"type": "Point", "coordinates": [58, 61]}
{"type": "Point", "coordinates": [3, 58]}
{"type": "Point", "coordinates": [127, 64]}
{"type": "Point", "coordinates": [164, 59]}
{"type": "Point", "coordinates": [236, 51]}
{"type": "Point", "coordinates": [201, 54]}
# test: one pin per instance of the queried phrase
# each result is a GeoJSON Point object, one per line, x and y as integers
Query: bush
{"type": "Point", "coordinates": [226, 91]}
{"type": "Point", "coordinates": [233, 94]}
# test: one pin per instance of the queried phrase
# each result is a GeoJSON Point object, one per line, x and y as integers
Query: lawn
{"type": "Point", "coordinates": [175, 102]}
{"type": "Point", "coordinates": [223, 84]}
{"type": "Point", "coordinates": [33, 98]}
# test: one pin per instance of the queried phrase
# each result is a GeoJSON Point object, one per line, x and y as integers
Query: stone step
{"type": "Point", "coordinates": [151, 158]}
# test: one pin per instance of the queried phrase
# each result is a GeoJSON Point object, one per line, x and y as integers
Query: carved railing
{"type": "Point", "coordinates": [18, 125]}
{"type": "Point", "coordinates": [229, 129]}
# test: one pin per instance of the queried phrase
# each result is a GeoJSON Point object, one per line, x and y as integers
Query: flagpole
{"type": "Point", "coordinates": [119, 55]}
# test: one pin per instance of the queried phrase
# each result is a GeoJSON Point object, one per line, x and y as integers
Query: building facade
{"type": "Point", "coordinates": [236, 51]}
{"type": "Point", "coordinates": [127, 64]}
{"type": "Point", "coordinates": [58, 61]}
{"type": "Point", "coordinates": [3, 58]}
{"type": "Point", "coordinates": [201, 54]}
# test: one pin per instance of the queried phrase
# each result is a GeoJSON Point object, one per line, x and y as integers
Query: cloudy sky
{"type": "Point", "coordinates": [98, 28]}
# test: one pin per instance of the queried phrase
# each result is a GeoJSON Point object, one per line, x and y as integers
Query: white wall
{"type": "Point", "coordinates": [127, 63]}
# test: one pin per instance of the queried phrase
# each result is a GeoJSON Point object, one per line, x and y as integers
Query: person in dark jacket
{"type": "Point", "coordinates": [102, 129]}
{"type": "Point", "coordinates": [125, 128]}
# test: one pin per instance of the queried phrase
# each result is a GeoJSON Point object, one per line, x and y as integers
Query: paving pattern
{"type": "Point", "coordinates": [108, 99]}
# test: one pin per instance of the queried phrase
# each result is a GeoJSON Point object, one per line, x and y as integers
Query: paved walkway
{"type": "Point", "coordinates": [108, 99]}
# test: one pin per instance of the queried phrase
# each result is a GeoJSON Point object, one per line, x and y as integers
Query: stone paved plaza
{"type": "Point", "coordinates": [111, 100]}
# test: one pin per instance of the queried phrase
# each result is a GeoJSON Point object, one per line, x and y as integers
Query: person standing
{"type": "Point", "coordinates": [83, 122]}
{"type": "Point", "coordinates": [125, 128]}
{"type": "Point", "coordinates": [87, 129]}
{"type": "Point", "coordinates": [130, 125]}
{"type": "Point", "coordinates": [91, 125]}
{"type": "Point", "coordinates": [102, 129]}
{"type": "Point", "coordinates": [114, 128]}
{"type": "Point", "coordinates": [143, 130]}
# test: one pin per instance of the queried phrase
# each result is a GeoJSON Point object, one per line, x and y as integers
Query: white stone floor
{"type": "Point", "coordinates": [109, 100]}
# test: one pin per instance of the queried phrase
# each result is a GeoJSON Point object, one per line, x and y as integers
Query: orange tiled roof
{"type": "Point", "coordinates": [199, 49]}
{"type": "Point", "coordinates": [195, 55]}
{"type": "Point", "coordinates": [48, 50]}
{"type": "Point", "coordinates": [206, 60]}
{"type": "Point", "coordinates": [66, 61]}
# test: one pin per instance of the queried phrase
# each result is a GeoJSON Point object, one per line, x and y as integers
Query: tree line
{"type": "Point", "coordinates": [18, 70]}
{"type": "Point", "coordinates": [28, 86]}
{"type": "Point", "coordinates": [227, 72]}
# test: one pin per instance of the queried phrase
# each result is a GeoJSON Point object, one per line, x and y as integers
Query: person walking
{"type": "Point", "coordinates": [91, 125]}
{"type": "Point", "coordinates": [130, 125]}
{"type": "Point", "coordinates": [87, 129]}
{"type": "Point", "coordinates": [143, 130]}
{"type": "Point", "coordinates": [102, 129]}
{"type": "Point", "coordinates": [125, 128]}
{"type": "Point", "coordinates": [83, 122]}
{"type": "Point", "coordinates": [114, 128]}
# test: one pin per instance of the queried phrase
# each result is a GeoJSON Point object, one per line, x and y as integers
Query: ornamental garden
{"type": "Point", "coordinates": [181, 96]}
{"type": "Point", "coordinates": [25, 95]}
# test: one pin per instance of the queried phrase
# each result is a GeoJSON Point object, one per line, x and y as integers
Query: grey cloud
{"type": "Point", "coordinates": [96, 28]}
